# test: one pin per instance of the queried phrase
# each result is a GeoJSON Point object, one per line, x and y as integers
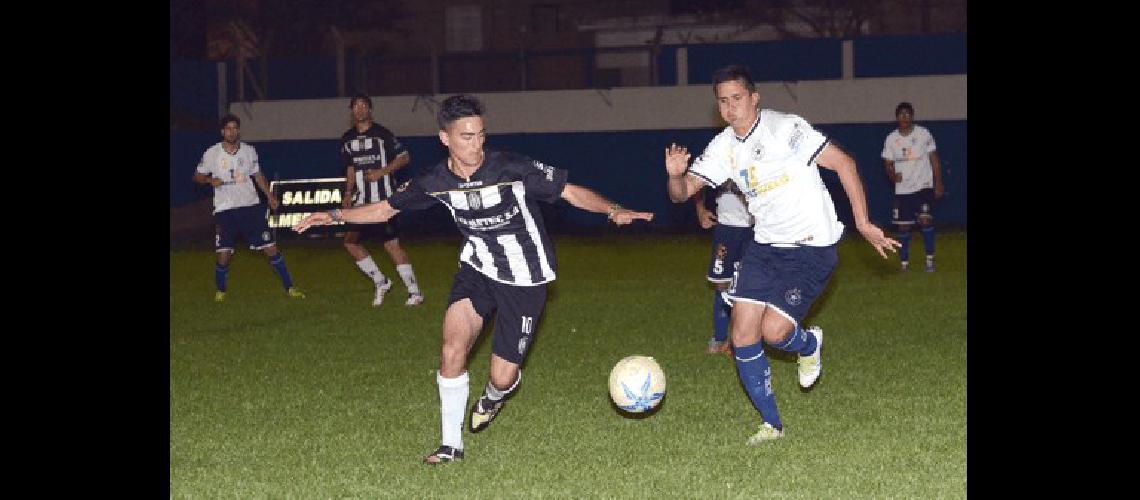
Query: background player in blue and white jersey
{"type": "Point", "coordinates": [733, 229]}
{"type": "Point", "coordinates": [228, 166]}
{"type": "Point", "coordinates": [506, 261]}
{"type": "Point", "coordinates": [371, 154]}
{"type": "Point", "coordinates": [911, 159]}
{"type": "Point", "coordinates": [773, 157]}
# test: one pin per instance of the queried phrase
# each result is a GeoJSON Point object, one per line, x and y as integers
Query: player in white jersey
{"type": "Point", "coordinates": [911, 160]}
{"type": "Point", "coordinates": [228, 166]}
{"type": "Point", "coordinates": [773, 157]}
{"type": "Point", "coordinates": [506, 263]}
{"type": "Point", "coordinates": [371, 154]}
{"type": "Point", "coordinates": [733, 229]}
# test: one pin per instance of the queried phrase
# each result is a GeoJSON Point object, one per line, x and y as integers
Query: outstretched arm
{"type": "Point", "coordinates": [680, 186]}
{"type": "Point", "coordinates": [590, 201]}
{"type": "Point", "coordinates": [835, 159]}
{"type": "Point", "coordinates": [373, 212]}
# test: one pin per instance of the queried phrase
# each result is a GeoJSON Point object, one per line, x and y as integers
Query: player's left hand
{"type": "Point", "coordinates": [938, 191]}
{"type": "Point", "coordinates": [877, 239]}
{"type": "Point", "coordinates": [625, 216]}
{"type": "Point", "coordinates": [313, 219]}
{"type": "Point", "coordinates": [273, 203]}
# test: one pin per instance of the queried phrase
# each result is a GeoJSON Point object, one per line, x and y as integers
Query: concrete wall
{"type": "Point", "coordinates": [862, 100]}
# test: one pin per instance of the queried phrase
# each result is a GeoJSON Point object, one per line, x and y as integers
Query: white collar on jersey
{"type": "Point", "coordinates": [753, 129]}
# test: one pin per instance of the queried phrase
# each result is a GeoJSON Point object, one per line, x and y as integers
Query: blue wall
{"type": "Point", "coordinates": [194, 84]}
{"type": "Point", "coordinates": [884, 56]}
{"type": "Point", "coordinates": [194, 89]}
{"type": "Point", "coordinates": [793, 60]}
{"type": "Point", "coordinates": [624, 166]}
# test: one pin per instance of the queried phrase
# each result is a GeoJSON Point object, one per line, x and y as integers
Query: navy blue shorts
{"type": "Point", "coordinates": [249, 222]}
{"type": "Point", "coordinates": [727, 248]}
{"type": "Point", "coordinates": [787, 279]}
{"type": "Point", "coordinates": [517, 310]}
{"type": "Point", "coordinates": [913, 206]}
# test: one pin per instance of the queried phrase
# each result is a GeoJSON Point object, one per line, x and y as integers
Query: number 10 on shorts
{"type": "Point", "coordinates": [527, 324]}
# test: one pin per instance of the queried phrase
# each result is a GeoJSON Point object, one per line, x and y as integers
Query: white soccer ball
{"type": "Point", "coordinates": [637, 384]}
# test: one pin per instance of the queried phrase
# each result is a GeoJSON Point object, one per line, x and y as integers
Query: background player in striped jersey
{"type": "Point", "coordinates": [506, 261]}
{"type": "Point", "coordinates": [911, 159]}
{"type": "Point", "coordinates": [228, 167]}
{"type": "Point", "coordinates": [371, 154]}
{"type": "Point", "coordinates": [773, 157]}
{"type": "Point", "coordinates": [733, 229]}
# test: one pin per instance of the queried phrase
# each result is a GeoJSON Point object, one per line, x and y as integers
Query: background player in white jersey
{"type": "Point", "coordinates": [228, 167]}
{"type": "Point", "coordinates": [911, 159]}
{"type": "Point", "coordinates": [733, 229]}
{"type": "Point", "coordinates": [371, 154]}
{"type": "Point", "coordinates": [506, 262]}
{"type": "Point", "coordinates": [773, 156]}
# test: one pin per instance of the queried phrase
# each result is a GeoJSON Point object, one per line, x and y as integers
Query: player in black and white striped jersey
{"type": "Point", "coordinates": [506, 261]}
{"type": "Point", "coordinates": [371, 153]}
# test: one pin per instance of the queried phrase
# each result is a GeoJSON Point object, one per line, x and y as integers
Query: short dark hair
{"type": "Point", "coordinates": [734, 72]}
{"type": "Point", "coordinates": [360, 96]}
{"type": "Point", "coordinates": [904, 105]}
{"type": "Point", "coordinates": [456, 107]}
{"type": "Point", "coordinates": [230, 117]}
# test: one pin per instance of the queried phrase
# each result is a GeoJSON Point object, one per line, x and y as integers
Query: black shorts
{"type": "Point", "coordinates": [249, 222]}
{"type": "Point", "coordinates": [379, 231]}
{"type": "Point", "coordinates": [911, 207]}
{"type": "Point", "coordinates": [517, 310]}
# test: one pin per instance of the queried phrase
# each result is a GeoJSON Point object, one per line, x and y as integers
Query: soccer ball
{"type": "Point", "coordinates": [637, 384]}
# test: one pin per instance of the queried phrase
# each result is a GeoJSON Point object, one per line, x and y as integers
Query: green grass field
{"type": "Point", "coordinates": [328, 397]}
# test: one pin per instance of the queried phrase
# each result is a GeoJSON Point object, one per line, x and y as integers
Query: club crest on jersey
{"type": "Point", "coordinates": [403, 187]}
{"type": "Point", "coordinates": [474, 200]}
{"type": "Point", "coordinates": [758, 152]}
{"type": "Point", "coordinates": [793, 297]}
{"type": "Point", "coordinates": [265, 236]}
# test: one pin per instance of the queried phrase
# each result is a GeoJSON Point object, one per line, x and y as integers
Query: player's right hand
{"type": "Point", "coordinates": [313, 219]}
{"type": "Point", "coordinates": [214, 181]}
{"type": "Point", "coordinates": [676, 160]}
{"type": "Point", "coordinates": [706, 218]}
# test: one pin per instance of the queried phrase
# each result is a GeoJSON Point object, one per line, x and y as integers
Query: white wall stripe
{"type": "Point", "coordinates": [859, 100]}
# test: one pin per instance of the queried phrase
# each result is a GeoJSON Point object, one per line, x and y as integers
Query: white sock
{"type": "Point", "coordinates": [452, 404]}
{"type": "Point", "coordinates": [368, 266]}
{"type": "Point", "coordinates": [409, 277]}
{"type": "Point", "coordinates": [930, 258]}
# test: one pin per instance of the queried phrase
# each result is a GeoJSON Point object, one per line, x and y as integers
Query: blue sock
{"type": "Point", "coordinates": [720, 317]}
{"type": "Point", "coordinates": [799, 342]}
{"type": "Point", "coordinates": [278, 263]}
{"type": "Point", "coordinates": [756, 375]}
{"type": "Point", "coordinates": [904, 250]}
{"type": "Point", "coordinates": [220, 273]}
{"type": "Point", "coordinates": [928, 239]}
